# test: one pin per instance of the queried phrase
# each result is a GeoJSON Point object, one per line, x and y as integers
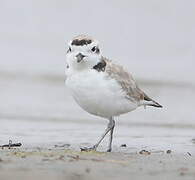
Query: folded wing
{"type": "Point", "coordinates": [128, 84]}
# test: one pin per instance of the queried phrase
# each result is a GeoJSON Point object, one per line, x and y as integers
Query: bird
{"type": "Point", "coordinates": [100, 86]}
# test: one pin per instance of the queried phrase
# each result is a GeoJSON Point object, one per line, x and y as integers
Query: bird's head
{"type": "Point", "coordinates": [83, 53]}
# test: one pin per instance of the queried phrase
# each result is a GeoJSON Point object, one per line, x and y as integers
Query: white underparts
{"type": "Point", "coordinates": [98, 94]}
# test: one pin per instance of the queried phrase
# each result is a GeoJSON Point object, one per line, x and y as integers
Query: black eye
{"type": "Point", "coordinates": [69, 50]}
{"type": "Point", "coordinates": [97, 50]}
{"type": "Point", "coordinates": [94, 49]}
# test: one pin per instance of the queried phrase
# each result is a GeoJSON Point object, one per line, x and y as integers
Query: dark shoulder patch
{"type": "Point", "coordinates": [100, 66]}
{"type": "Point", "coordinates": [81, 42]}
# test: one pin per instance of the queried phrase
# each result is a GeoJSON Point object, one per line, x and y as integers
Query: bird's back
{"type": "Point", "coordinates": [128, 84]}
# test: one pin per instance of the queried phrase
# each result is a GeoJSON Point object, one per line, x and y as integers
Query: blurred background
{"type": "Point", "coordinates": [154, 39]}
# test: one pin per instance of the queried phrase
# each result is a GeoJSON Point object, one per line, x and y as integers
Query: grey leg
{"type": "Point", "coordinates": [110, 127]}
{"type": "Point", "coordinates": [111, 137]}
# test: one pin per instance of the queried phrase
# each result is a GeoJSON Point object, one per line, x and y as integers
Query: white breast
{"type": "Point", "coordinates": [98, 94]}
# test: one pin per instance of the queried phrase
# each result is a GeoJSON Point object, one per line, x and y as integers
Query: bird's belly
{"type": "Point", "coordinates": [98, 94]}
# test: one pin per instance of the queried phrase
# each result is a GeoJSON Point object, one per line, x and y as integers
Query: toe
{"type": "Point", "coordinates": [109, 150]}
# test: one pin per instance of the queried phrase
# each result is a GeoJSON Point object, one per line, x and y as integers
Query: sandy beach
{"type": "Point", "coordinates": [66, 163]}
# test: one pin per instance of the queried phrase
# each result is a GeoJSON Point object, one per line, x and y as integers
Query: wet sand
{"type": "Point", "coordinates": [51, 150]}
{"type": "Point", "coordinates": [65, 163]}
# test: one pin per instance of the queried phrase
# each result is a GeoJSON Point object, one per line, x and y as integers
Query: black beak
{"type": "Point", "coordinates": [80, 57]}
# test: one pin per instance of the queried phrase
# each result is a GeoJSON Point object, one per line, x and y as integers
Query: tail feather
{"type": "Point", "coordinates": [155, 104]}
{"type": "Point", "coordinates": [151, 102]}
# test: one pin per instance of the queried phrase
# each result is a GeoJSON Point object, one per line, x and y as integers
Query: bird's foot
{"type": "Point", "coordinates": [109, 150]}
{"type": "Point", "coordinates": [87, 149]}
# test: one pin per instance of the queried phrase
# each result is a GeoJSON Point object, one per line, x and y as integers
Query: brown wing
{"type": "Point", "coordinates": [125, 79]}
{"type": "Point", "coordinates": [128, 84]}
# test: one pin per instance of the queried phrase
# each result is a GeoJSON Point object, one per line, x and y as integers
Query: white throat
{"type": "Point", "coordinates": [85, 65]}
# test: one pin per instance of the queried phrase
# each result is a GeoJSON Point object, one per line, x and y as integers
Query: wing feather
{"type": "Point", "coordinates": [128, 84]}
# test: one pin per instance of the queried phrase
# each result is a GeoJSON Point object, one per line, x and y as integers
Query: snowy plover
{"type": "Point", "coordinates": [99, 86]}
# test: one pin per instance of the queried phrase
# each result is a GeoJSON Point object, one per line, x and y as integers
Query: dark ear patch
{"type": "Point", "coordinates": [100, 66]}
{"type": "Point", "coordinates": [97, 50]}
{"type": "Point", "coordinates": [82, 42]}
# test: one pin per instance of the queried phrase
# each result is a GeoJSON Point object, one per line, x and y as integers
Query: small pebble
{"type": "Point", "coordinates": [145, 152]}
{"type": "Point", "coordinates": [87, 170]}
{"type": "Point", "coordinates": [169, 151]}
{"type": "Point", "coordinates": [61, 157]}
{"type": "Point", "coordinates": [74, 157]}
{"type": "Point", "coordinates": [45, 159]}
{"type": "Point", "coordinates": [182, 173]}
{"type": "Point", "coordinates": [123, 145]}
{"type": "Point", "coordinates": [62, 146]}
